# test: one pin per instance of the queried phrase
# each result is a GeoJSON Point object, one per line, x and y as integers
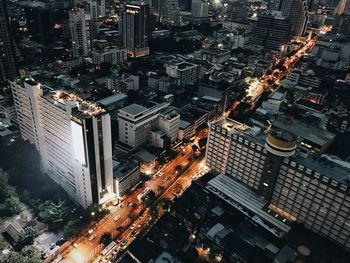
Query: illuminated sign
{"type": "Point", "coordinates": [78, 142]}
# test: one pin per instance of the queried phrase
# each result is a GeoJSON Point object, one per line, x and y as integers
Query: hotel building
{"type": "Point", "coordinates": [282, 184]}
{"type": "Point", "coordinates": [72, 136]}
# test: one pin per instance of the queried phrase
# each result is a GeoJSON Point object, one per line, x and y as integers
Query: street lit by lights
{"type": "Point", "coordinates": [78, 256]}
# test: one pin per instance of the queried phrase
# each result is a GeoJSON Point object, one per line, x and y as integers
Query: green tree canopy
{"type": "Point", "coordinates": [106, 238]}
{"type": "Point", "coordinates": [28, 254]}
{"type": "Point", "coordinates": [26, 237]}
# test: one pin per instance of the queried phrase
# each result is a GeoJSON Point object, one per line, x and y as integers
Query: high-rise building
{"type": "Point", "coordinates": [272, 32]}
{"type": "Point", "coordinates": [296, 11]}
{"type": "Point", "coordinates": [313, 5]}
{"type": "Point", "coordinates": [237, 10]}
{"type": "Point", "coordinates": [199, 8]}
{"type": "Point", "coordinates": [72, 136]}
{"type": "Point", "coordinates": [79, 32]}
{"type": "Point", "coordinates": [170, 11]}
{"type": "Point", "coordinates": [262, 173]}
{"type": "Point", "coordinates": [135, 19]}
{"type": "Point", "coordinates": [343, 8]}
{"type": "Point", "coordinates": [8, 69]}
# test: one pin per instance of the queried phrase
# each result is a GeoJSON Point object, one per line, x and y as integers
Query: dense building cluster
{"type": "Point", "coordinates": [113, 92]}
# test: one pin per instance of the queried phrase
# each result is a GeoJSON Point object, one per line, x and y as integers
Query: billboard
{"type": "Point", "coordinates": [78, 142]}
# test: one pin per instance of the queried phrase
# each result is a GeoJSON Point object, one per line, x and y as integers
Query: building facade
{"type": "Point", "coordinates": [307, 189]}
{"type": "Point", "coordinates": [8, 69]}
{"type": "Point", "coordinates": [135, 19]}
{"type": "Point", "coordinates": [296, 11]}
{"type": "Point", "coordinates": [111, 54]}
{"type": "Point", "coordinates": [79, 32]}
{"type": "Point", "coordinates": [136, 121]}
{"type": "Point", "coordinates": [272, 32]}
{"type": "Point", "coordinates": [72, 136]}
{"type": "Point", "coordinates": [199, 8]}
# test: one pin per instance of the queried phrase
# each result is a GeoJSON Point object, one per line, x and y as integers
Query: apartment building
{"type": "Point", "coordinates": [281, 181]}
{"type": "Point", "coordinates": [72, 136]}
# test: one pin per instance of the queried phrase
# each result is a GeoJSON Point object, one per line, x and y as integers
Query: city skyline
{"type": "Point", "coordinates": [184, 131]}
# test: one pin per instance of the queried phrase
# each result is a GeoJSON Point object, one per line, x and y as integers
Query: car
{"type": "Point", "coordinates": [124, 242]}
{"type": "Point", "coordinates": [90, 231]}
{"type": "Point", "coordinates": [60, 242]}
{"type": "Point", "coordinates": [116, 218]}
{"type": "Point", "coordinates": [52, 246]}
{"type": "Point", "coordinates": [133, 233]}
{"type": "Point", "coordinates": [92, 237]}
{"type": "Point", "coordinates": [75, 245]}
{"type": "Point", "coordinates": [119, 240]}
{"type": "Point", "coordinates": [132, 226]}
{"type": "Point", "coordinates": [139, 225]}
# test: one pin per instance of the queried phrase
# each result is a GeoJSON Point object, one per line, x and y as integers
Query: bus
{"type": "Point", "coordinates": [108, 249]}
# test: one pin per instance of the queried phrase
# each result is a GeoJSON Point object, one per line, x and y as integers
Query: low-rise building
{"type": "Point", "coordinates": [125, 176]}
{"type": "Point", "coordinates": [185, 72]}
{"type": "Point", "coordinates": [110, 54]}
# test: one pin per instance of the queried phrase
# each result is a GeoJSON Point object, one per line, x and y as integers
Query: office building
{"type": "Point", "coordinates": [79, 32]}
{"type": "Point", "coordinates": [237, 10]}
{"type": "Point", "coordinates": [8, 69]}
{"type": "Point", "coordinates": [72, 136]}
{"type": "Point", "coordinates": [273, 173]}
{"type": "Point", "coordinates": [186, 73]}
{"type": "Point", "coordinates": [136, 121]}
{"type": "Point", "coordinates": [296, 11]}
{"type": "Point", "coordinates": [343, 7]}
{"type": "Point", "coordinates": [272, 32]}
{"type": "Point", "coordinates": [199, 8]}
{"type": "Point", "coordinates": [135, 19]}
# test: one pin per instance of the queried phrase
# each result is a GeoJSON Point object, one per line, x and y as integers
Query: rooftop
{"type": "Point", "coordinates": [134, 109]}
{"type": "Point", "coordinates": [85, 107]}
{"type": "Point", "coordinates": [325, 167]}
{"type": "Point", "coordinates": [304, 130]}
{"type": "Point", "coordinates": [113, 99]}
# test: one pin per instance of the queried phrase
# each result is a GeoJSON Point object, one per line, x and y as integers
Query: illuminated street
{"type": "Point", "coordinates": [88, 250]}
{"type": "Point", "coordinates": [168, 181]}
{"type": "Point", "coordinates": [267, 81]}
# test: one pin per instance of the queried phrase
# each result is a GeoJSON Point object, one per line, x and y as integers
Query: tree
{"type": "Point", "coordinates": [72, 229]}
{"type": "Point", "coordinates": [12, 205]}
{"type": "Point", "coordinates": [106, 238]}
{"type": "Point", "coordinates": [3, 184]}
{"type": "Point", "coordinates": [52, 212]}
{"type": "Point", "coordinates": [96, 212]}
{"type": "Point", "coordinates": [26, 237]}
{"type": "Point", "coordinates": [28, 254]}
